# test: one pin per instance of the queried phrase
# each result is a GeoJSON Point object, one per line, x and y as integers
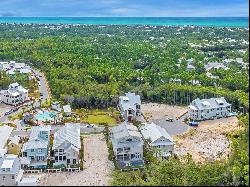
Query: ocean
{"type": "Point", "coordinates": [153, 21]}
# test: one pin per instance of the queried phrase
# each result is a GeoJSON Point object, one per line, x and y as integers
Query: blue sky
{"type": "Point", "coordinates": [126, 8]}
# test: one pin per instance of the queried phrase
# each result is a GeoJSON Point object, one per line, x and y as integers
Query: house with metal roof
{"type": "Point", "coordinates": [161, 142]}
{"type": "Point", "coordinates": [67, 145]}
{"type": "Point", "coordinates": [127, 145]}
{"type": "Point", "coordinates": [36, 149]}
{"type": "Point", "coordinates": [15, 95]}
{"type": "Point", "coordinates": [130, 106]}
{"type": "Point", "coordinates": [11, 173]}
{"type": "Point", "coordinates": [204, 109]}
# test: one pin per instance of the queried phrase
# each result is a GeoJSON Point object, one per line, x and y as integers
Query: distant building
{"type": "Point", "coordinates": [215, 65]}
{"type": "Point", "coordinates": [66, 145]}
{"type": "Point", "coordinates": [36, 149]}
{"type": "Point", "coordinates": [15, 95]}
{"type": "Point", "coordinates": [203, 109]}
{"type": "Point", "coordinates": [56, 106]}
{"type": "Point", "coordinates": [130, 106]}
{"type": "Point", "coordinates": [67, 110]}
{"type": "Point", "coordinates": [127, 145]}
{"type": "Point", "coordinates": [160, 140]}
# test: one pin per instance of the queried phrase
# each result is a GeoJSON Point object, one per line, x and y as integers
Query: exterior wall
{"type": "Point", "coordinates": [38, 157]}
{"type": "Point", "coordinates": [162, 148]}
{"type": "Point", "coordinates": [14, 100]}
{"type": "Point", "coordinates": [212, 113]}
{"type": "Point", "coordinates": [128, 152]}
{"type": "Point", "coordinates": [13, 149]}
{"type": "Point", "coordinates": [7, 180]}
{"type": "Point", "coordinates": [66, 158]}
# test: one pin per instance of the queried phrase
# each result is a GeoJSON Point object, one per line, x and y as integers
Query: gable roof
{"type": "Point", "coordinates": [129, 101]}
{"type": "Point", "coordinates": [154, 132]}
{"type": "Point", "coordinates": [201, 104]}
{"type": "Point", "coordinates": [69, 133]}
{"type": "Point", "coordinates": [125, 130]}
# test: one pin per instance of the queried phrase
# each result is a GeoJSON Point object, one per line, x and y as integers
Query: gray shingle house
{"type": "Point", "coordinates": [66, 145]}
{"type": "Point", "coordinates": [127, 145]}
{"type": "Point", "coordinates": [130, 106]}
{"type": "Point", "coordinates": [203, 109]}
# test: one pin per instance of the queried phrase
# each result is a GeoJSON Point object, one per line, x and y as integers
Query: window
{"type": "Point", "coordinates": [130, 112]}
{"type": "Point", "coordinates": [32, 150]}
{"type": "Point", "coordinates": [119, 149]}
{"type": "Point", "coordinates": [68, 161]}
{"type": "Point", "coordinates": [129, 140]}
{"type": "Point", "coordinates": [40, 150]}
{"type": "Point", "coordinates": [74, 161]}
{"type": "Point", "coordinates": [13, 177]}
{"type": "Point", "coordinates": [64, 158]}
{"type": "Point", "coordinates": [126, 148]}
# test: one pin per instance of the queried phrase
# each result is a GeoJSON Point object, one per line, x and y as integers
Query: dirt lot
{"type": "Point", "coordinates": [153, 111]}
{"type": "Point", "coordinates": [97, 172]}
{"type": "Point", "coordinates": [208, 141]}
{"type": "Point", "coordinates": [4, 108]}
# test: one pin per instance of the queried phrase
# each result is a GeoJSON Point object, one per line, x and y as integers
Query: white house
{"type": "Point", "coordinates": [203, 109]}
{"type": "Point", "coordinates": [67, 110]}
{"type": "Point", "coordinates": [127, 145]}
{"type": "Point", "coordinates": [130, 106]}
{"type": "Point", "coordinates": [160, 140]}
{"type": "Point", "coordinates": [66, 145]}
{"type": "Point", "coordinates": [11, 173]}
{"type": "Point", "coordinates": [56, 106]}
{"type": "Point", "coordinates": [36, 149]}
{"type": "Point", "coordinates": [15, 95]}
{"type": "Point", "coordinates": [215, 65]}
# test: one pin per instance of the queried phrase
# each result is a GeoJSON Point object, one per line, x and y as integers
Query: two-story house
{"type": "Point", "coordinates": [130, 106]}
{"type": "Point", "coordinates": [66, 145]}
{"type": "Point", "coordinates": [11, 173]}
{"type": "Point", "coordinates": [37, 147]}
{"type": "Point", "coordinates": [127, 145]}
{"type": "Point", "coordinates": [161, 142]}
{"type": "Point", "coordinates": [15, 95]}
{"type": "Point", "coordinates": [204, 109]}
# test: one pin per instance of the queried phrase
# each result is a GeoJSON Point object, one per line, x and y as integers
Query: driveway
{"type": "Point", "coordinates": [173, 128]}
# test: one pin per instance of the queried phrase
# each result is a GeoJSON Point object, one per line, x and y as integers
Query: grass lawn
{"type": "Point", "coordinates": [99, 119]}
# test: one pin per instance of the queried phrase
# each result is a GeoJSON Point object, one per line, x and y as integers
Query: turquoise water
{"type": "Point", "coordinates": [46, 116]}
{"type": "Point", "coordinates": [157, 21]}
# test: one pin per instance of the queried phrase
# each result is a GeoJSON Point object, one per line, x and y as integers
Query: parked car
{"type": "Point", "coordinates": [169, 119]}
{"type": "Point", "coordinates": [193, 123]}
{"type": "Point", "coordinates": [14, 109]}
{"type": "Point", "coordinates": [8, 112]}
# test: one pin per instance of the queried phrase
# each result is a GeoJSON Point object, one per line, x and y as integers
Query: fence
{"type": "Point", "coordinates": [52, 170]}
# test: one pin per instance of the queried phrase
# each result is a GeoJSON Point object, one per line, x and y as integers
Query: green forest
{"type": "Point", "coordinates": [89, 66]}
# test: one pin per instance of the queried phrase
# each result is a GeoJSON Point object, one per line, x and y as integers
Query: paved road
{"type": "Point", "coordinates": [173, 128]}
{"type": "Point", "coordinates": [42, 88]}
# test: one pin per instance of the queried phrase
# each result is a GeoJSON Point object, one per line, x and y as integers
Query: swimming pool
{"type": "Point", "coordinates": [45, 116]}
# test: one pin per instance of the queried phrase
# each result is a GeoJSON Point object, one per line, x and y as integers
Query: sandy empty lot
{"type": "Point", "coordinates": [208, 141]}
{"type": "Point", "coordinates": [97, 172]}
{"type": "Point", "coordinates": [4, 108]}
{"type": "Point", "coordinates": [153, 111]}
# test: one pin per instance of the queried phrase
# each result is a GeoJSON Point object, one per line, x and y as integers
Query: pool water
{"type": "Point", "coordinates": [46, 116]}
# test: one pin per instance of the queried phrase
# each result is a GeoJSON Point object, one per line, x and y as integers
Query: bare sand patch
{"type": "Point", "coordinates": [153, 111]}
{"type": "Point", "coordinates": [208, 141]}
{"type": "Point", "coordinates": [4, 108]}
{"type": "Point", "coordinates": [98, 167]}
